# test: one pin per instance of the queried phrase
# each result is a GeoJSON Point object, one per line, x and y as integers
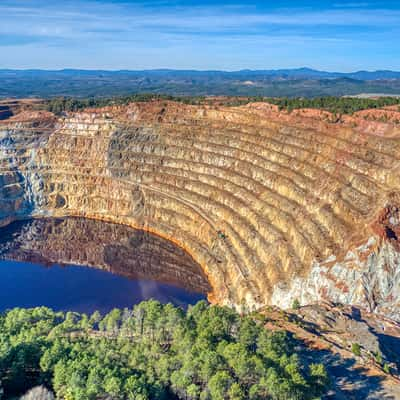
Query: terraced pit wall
{"type": "Point", "coordinates": [273, 206]}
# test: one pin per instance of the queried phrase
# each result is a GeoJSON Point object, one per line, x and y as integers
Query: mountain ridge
{"type": "Point", "coordinates": [305, 72]}
{"type": "Point", "coordinates": [301, 82]}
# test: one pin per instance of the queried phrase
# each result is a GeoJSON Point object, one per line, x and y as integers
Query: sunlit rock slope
{"type": "Point", "coordinates": [274, 206]}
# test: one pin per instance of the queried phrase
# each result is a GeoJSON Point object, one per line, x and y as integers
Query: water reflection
{"type": "Point", "coordinates": [142, 265]}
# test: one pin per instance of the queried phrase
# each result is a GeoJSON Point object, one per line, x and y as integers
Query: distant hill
{"type": "Point", "coordinates": [280, 82]}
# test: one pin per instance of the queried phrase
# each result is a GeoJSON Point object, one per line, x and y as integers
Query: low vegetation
{"type": "Point", "coordinates": [153, 351]}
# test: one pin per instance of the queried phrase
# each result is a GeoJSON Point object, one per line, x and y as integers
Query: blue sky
{"type": "Point", "coordinates": [331, 35]}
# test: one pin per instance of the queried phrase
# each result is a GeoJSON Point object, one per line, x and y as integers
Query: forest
{"type": "Point", "coordinates": [153, 351]}
{"type": "Point", "coordinates": [281, 83]}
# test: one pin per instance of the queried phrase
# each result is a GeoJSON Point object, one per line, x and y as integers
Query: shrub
{"type": "Point", "coordinates": [379, 358]}
{"type": "Point", "coordinates": [296, 304]}
{"type": "Point", "coordinates": [356, 349]}
{"type": "Point", "coordinates": [386, 368]}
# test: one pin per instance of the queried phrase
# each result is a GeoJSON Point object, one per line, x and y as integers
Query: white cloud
{"type": "Point", "coordinates": [136, 31]}
{"type": "Point", "coordinates": [112, 19]}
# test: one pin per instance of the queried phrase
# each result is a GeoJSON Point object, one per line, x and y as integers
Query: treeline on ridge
{"type": "Point", "coordinates": [153, 351]}
{"type": "Point", "coordinates": [59, 105]}
{"type": "Point", "coordinates": [336, 105]}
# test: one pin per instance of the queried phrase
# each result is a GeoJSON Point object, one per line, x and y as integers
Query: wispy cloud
{"type": "Point", "coordinates": [89, 16]}
{"type": "Point", "coordinates": [179, 26]}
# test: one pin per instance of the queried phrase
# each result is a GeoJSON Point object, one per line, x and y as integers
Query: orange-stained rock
{"type": "Point", "coordinates": [273, 205]}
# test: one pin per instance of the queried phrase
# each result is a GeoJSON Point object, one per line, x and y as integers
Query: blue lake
{"type": "Point", "coordinates": [84, 265]}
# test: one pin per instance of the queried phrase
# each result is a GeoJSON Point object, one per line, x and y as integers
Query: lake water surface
{"type": "Point", "coordinates": [85, 265]}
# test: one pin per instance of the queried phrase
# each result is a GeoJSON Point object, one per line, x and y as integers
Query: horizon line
{"type": "Point", "coordinates": [197, 70]}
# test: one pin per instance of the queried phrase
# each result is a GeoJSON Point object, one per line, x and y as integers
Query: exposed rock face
{"type": "Point", "coordinates": [331, 332]}
{"type": "Point", "coordinates": [274, 206]}
{"type": "Point", "coordinates": [368, 276]}
{"type": "Point", "coordinates": [119, 249]}
{"type": "Point", "coordinates": [21, 183]}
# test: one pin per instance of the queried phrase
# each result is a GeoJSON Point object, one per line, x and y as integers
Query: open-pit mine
{"type": "Point", "coordinates": [274, 206]}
